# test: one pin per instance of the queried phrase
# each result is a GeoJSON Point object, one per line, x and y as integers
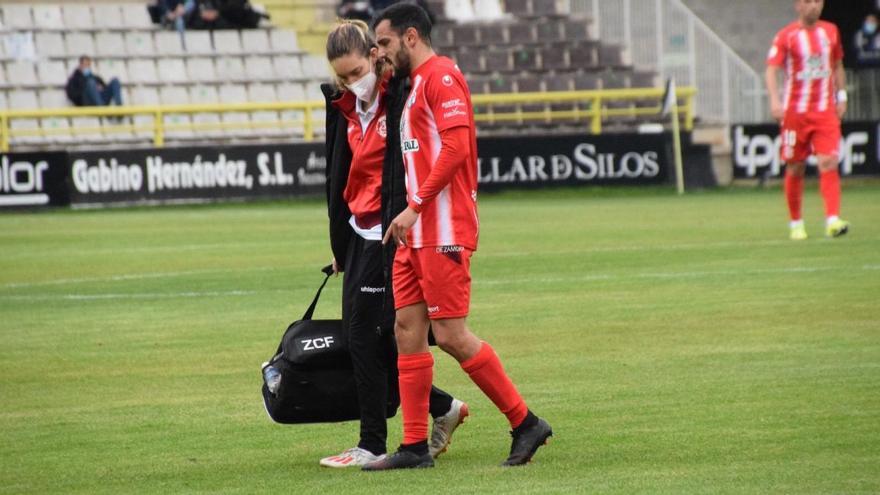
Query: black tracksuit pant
{"type": "Point", "coordinates": [370, 328]}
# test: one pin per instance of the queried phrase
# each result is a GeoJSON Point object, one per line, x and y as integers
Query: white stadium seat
{"type": "Point", "coordinates": [139, 43]}
{"type": "Point", "coordinates": [108, 44]}
{"type": "Point", "coordinates": [173, 95]}
{"type": "Point", "coordinates": [144, 97]}
{"type": "Point", "coordinates": [108, 68]}
{"type": "Point", "coordinates": [77, 17]}
{"type": "Point", "coordinates": [206, 95]}
{"type": "Point", "coordinates": [201, 69]}
{"type": "Point", "coordinates": [93, 124]}
{"type": "Point", "coordinates": [55, 98]}
{"type": "Point", "coordinates": [79, 44]}
{"type": "Point", "coordinates": [22, 74]}
{"type": "Point", "coordinates": [142, 71]}
{"type": "Point", "coordinates": [264, 93]}
{"type": "Point", "coordinates": [199, 43]}
{"type": "Point", "coordinates": [291, 92]}
{"type": "Point", "coordinates": [24, 100]}
{"type": "Point", "coordinates": [168, 43]}
{"type": "Point", "coordinates": [3, 83]}
{"type": "Point", "coordinates": [135, 15]}
{"type": "Point", "coordinates": [141, 96]}
{"type": "Point", "coordinates": [231, 69]}
{"type": "Point", "coordinates": [284, 40]}
{"type": "Point", "coordinates": [235, 93]}
{"type": "Point", "coordinates": [227, 42]}
{"type": "Point", "coordinates": [255, 41]}
{"type": "Point", "coordinates": [52, 73]}
{"type": "Point", "coordinates": [107, 16]}
{"type": "Point", "coordinates": [172, 70]}
{"type": "Point", "coordinates": [17, 16]}
{"type": "Point", "coordinates": [288, 67]}
{"type": "Point", "coordinates": [176, 95]}
{"type": "Point", "coordinates": [4, 103]}
{"type": "Point", "coordinates": [313, 93]}
{"type": "Point", "coordinates": [49, 44]}
{"type": "Point", "coordinates": [48, 17]}
{"type": "Point", "coordinates": [315, 67]}
{"type": "Point", "coordinates": [259, 68]}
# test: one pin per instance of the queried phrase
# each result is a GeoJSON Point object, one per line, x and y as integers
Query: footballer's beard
{"type": "Point", "coordinates": [811, 16]}
{"type": "Point", "coordinates": [402, 64]}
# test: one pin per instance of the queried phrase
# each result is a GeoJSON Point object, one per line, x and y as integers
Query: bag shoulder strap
{"type": "Point", "coordinates": [328, 270]}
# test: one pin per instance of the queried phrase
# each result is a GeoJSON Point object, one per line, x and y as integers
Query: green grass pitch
{"type": "Point", "coordinates": [676, 345]}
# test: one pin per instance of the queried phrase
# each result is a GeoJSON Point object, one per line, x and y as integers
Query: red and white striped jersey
{"type": "Point", "coordinates": [809, 56]}
{"type": "Point", "coordinates": [440, 101]}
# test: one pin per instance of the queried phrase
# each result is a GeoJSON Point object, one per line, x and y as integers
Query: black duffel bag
{"type": "Point", "coordinates": [317, 382]}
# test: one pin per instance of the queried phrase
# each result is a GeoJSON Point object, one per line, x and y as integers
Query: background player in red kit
{"type": "Point", "coordinates": [815, 100]}
{"type": "Point", "coordinates": [437, 233]}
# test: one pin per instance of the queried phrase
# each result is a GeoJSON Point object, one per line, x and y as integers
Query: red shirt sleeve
{"type": "Point", "coordinates": [453, 155]}
{"type": "Point", "coordinates": [778, 50]}
{"type": "Point", "coordinates": [448, 99]}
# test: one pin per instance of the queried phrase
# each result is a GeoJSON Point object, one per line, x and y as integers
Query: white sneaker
{"type": "Point", "coordinates": [441, 431]}
{"type": "Point", "coordinates": [355, 456]}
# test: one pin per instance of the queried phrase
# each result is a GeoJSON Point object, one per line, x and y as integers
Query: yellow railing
{"type": "Point", "coordinates": [585, 105]}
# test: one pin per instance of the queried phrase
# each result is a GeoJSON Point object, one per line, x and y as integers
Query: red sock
{"type": "Point", "coordinates": [415, 375]}
{"type": "Point", "coordinates": [486, 371]}
{"type": "Point", "coordinates": [829, 186]}
{"type": "Point", "coordinates": [794, 192]}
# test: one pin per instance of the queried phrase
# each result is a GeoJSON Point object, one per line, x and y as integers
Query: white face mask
{"type": "Point", "coordinates": [363, 87]}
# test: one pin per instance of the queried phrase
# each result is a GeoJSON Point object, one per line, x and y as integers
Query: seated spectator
{"type": "Point", "coordinates": [867, 41]}
{"type": "Point", "coordinates": [355, 9]}
{"type": "Point", "coordinates": [86, 89]}
{"type": "Point", "coordinates": [224, 14]}
{"type": "Point", "coordinates": [173, 13]}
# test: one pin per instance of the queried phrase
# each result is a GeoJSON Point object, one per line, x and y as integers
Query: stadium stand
{"type": "Point", "coordinates": [536, 47]}
{"type": "Point", "coordinates": [539, 47]}
{"type": "Point", "coordinates": [155, 67]}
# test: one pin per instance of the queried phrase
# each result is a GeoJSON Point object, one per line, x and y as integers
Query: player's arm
{"type": "Point", "coordinates": [771, 79]}
{"type": "Point", "coordinates": [453, 155]}
{"type": "Point", "coordinates": [840, 85]}
{"type": "Point", "coordinates": [775, 60]}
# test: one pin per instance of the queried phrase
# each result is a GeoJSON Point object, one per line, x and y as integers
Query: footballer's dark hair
{"type": "Point", "coordinates": [403, 16]}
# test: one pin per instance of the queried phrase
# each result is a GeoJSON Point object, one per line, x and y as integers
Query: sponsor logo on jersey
{"type": "Point", "coordinates": [372, 290]}
{"type": "Point", "coordinates": [446, 80]}
{"type": "Point", "coordinates": [409, 146]}
{"type": "Point", "coordinates": [814, 70]}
